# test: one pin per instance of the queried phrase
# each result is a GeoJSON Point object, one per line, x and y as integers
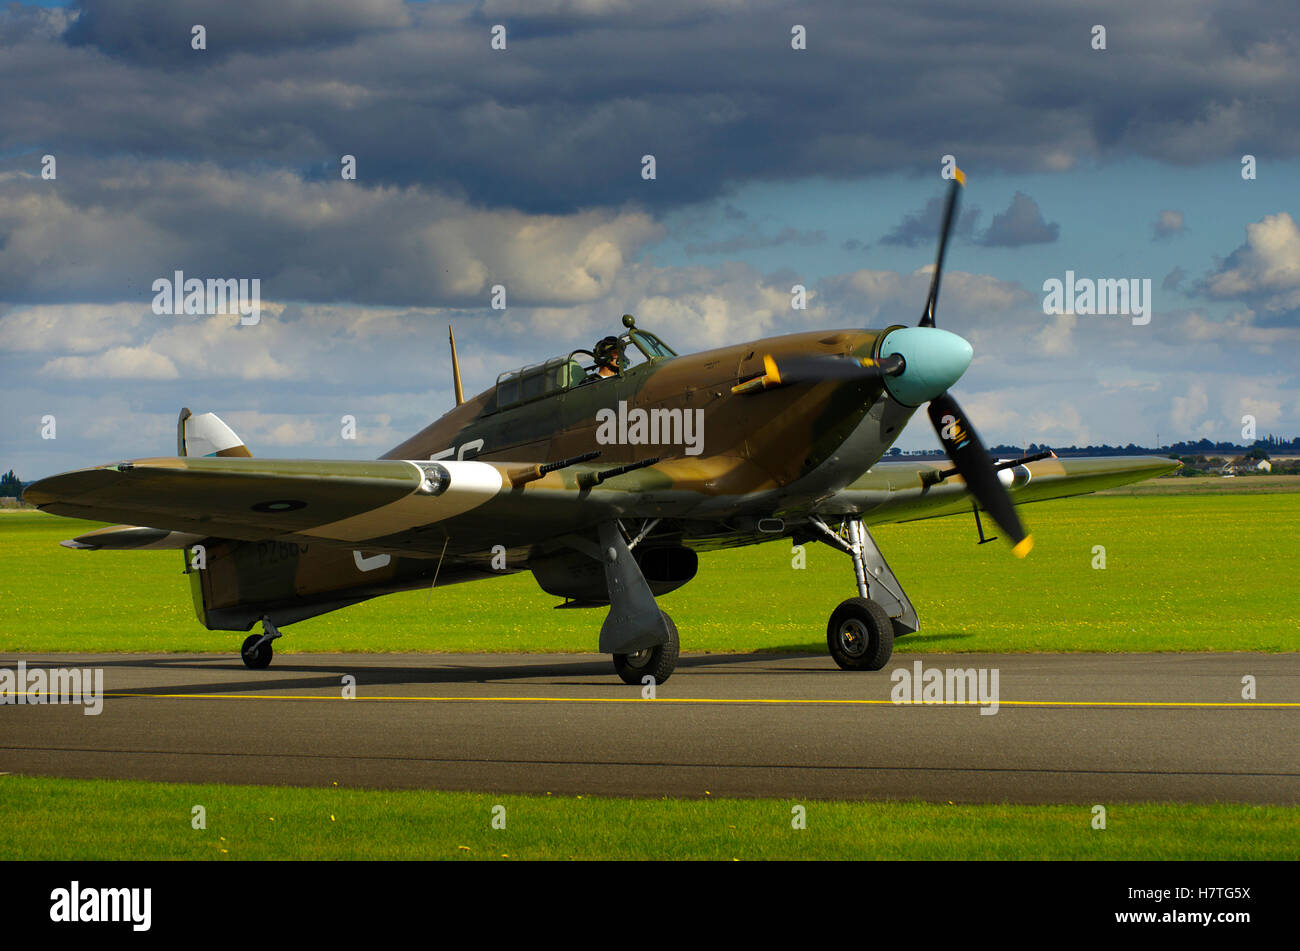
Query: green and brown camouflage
{"type": "Point", "coordinates": [802, 426]}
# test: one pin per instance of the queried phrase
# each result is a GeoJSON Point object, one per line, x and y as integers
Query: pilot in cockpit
{"type": "Point", "coordinates": [609, 357]}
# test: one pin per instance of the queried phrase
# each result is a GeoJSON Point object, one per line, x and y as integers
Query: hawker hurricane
{"type": "Point", "coordinates": [606, 472]}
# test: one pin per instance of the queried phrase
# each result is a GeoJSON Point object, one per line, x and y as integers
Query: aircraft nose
{"type": "Point", "coordinates": [935, 359]}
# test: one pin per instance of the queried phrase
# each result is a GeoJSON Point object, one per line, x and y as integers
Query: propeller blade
{"type": "Point", "coordinates": [973, 463]}
{"type": "Point", "coordinates": [949, 214]}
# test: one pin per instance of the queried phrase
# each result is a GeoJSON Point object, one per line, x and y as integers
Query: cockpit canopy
{"type": "Point", "coordinates": [538, 380]}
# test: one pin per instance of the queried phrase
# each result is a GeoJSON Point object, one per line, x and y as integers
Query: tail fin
{"type": "Point", "coordinates": [455, 367]}
{"type": "Point", "coordinates": [206, 435]}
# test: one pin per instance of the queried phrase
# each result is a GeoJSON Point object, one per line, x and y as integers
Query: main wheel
{"type": "Point", "coordinates": [256, 659]}
{"type": "Point", "coordinates": [659, 662]}
{"type": "Point", "coordinates": [860, 635]}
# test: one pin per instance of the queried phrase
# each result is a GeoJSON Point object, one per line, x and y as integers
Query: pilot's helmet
{"type": "Point", "coordinates": [607, 351]}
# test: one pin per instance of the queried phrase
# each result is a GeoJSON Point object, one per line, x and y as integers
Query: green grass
{"type": "Point", "coordinates": [108, 819]}
{"type": "Point", "coordinates": [1210, 485]}
{"type": "Point", "coordinates": [1183, 572]}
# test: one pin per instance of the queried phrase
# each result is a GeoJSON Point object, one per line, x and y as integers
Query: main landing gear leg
{"type": "Point", "coordinates": [641, 637]}
{"type": "Point", "coordinates": [860, 633]}
{"type": "Point", "coordinates": [256, 651]}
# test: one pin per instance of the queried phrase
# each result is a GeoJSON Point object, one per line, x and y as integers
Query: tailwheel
{"type": "Point", "coordinates": [658, 662]}
{"type": "Point", "coordinates": [860, 635]}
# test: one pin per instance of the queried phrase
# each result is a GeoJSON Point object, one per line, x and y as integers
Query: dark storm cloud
{"type": "Point", "coordinates": [561, 119]}
{"type": "Point", "coordinates": [24, 24]}
{"type": "Point", "coordinates": [152, 33]}
{"type": "Point", "coordinates": [1022, 223]}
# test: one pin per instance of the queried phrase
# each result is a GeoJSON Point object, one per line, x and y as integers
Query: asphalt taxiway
{"type": "Point", "coordinates": [1077, 728]}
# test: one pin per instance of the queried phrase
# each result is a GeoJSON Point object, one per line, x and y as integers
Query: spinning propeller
{"type": "Point", "coordinates": [951, 424]}
{"type": "Point", "coordinates": [918, 365]}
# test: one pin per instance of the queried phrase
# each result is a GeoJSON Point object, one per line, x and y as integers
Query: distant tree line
{"type": "Point", "coordinates": [10, 486]}
{"type": "Point", "coordinates": [1259, 449]}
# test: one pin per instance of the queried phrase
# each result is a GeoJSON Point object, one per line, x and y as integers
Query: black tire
{"type": "Point", "coordinates": [258, 659]}
{"type": "Point", "coordinates": [659, 662]}
{"type": "Point", "coordinates": [860, 635]}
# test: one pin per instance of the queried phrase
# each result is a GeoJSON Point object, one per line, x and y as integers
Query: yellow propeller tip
{"type": "Point", "coordinates": [1024, 546]}
{"type": "Point", "coordinates": [959, 175]}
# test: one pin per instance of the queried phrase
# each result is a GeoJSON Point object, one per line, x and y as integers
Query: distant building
{"type": "Point", "coordinates": [1241, 466]}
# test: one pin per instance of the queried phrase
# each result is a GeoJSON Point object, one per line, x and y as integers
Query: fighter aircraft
{"type": "Point", "coordinates": [605, 473]}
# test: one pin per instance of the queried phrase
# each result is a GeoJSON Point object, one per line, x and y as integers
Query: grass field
{"type": "Point", "coordinates": [1210, 485]}
{"type": "Point", "coordinates": [1183, 572]}
{"type": "Point", "coordinates": [136, 820]}
{"type": "Point", "coordinates": [1192, 571]}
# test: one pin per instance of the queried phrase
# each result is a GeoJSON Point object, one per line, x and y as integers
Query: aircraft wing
{"type": "Point", "coordinates": [905, 491]}
{"type": "Point", "coordinates": [395, 505]}
{"type": "Point", "coordinates": [415, 507]}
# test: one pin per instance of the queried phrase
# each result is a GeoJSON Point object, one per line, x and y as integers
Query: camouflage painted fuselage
{"type": "Point", "coordinates": [760, 455]}
{"type": "Point", "coordinates": [771, 449]}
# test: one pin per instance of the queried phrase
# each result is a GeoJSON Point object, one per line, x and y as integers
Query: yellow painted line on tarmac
{"type": "Point", "coordinates": [1184, 704]}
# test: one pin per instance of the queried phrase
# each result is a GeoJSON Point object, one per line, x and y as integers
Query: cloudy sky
{"type": "Point", "coordinates": [523, 167]}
